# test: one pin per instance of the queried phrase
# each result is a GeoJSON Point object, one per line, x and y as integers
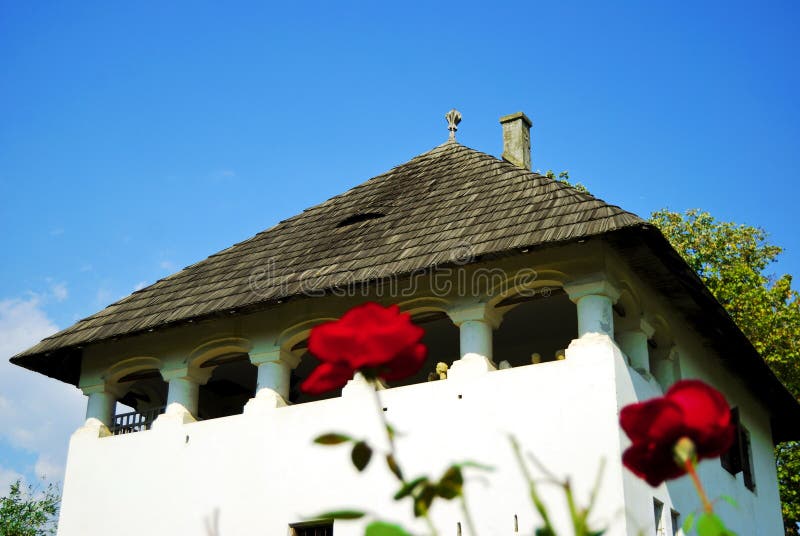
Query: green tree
{"type": "Point", "coordinates": [732, 260]}
{"type": "Point", "coordinates": [29, 512]}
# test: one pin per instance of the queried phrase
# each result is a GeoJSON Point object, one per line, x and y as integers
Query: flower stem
{"type": "Point", "coordinates": [468, 516]}
{"type": "Point", "coordinates": [379, 407]}
{"type": "Point", "coordinates": [690, 468]}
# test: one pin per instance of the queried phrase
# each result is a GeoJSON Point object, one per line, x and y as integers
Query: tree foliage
{"type": "Point", "coordinates": [563, 176]}
{"type": "Point", "coordinates": [732, 260]}
{"type": "Point", "coordinates": [29, 512]}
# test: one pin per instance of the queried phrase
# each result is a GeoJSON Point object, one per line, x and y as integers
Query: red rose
{"type": "Point", "coordinates": [381, 342]}
{"type": "Point", "coordinates": [689, 409]}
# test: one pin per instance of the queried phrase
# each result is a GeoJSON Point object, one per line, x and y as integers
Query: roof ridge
{"type": "Point", "coordinates": [447, 193]}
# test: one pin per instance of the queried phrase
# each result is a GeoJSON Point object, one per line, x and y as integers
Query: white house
{"type": "Point", "coordinates": [587, 307]}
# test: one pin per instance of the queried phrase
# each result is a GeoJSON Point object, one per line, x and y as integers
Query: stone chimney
{"type": "Point", "coordinates": [517, 139]}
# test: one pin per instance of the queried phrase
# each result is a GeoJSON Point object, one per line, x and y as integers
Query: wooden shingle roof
{"type": "Point", "coordinates": [411, 217]}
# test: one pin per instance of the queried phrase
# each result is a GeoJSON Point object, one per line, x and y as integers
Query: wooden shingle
{"type": "Point", "coordinates": [449, 196]}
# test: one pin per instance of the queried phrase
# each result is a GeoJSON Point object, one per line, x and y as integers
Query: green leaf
{"type": "Point", "coordinates": [422, 501]}
{"type": "Point", "coordinates": [409, 488]}
{"type": "Point", "coordinates": [394, 467]}
{"type": "Point", "coordinates": [381, 528]}
{"type": "Point", "coordinates": [544, 532]}
{"type": "Point", "coordinates": [688, 522]}
{"type": "Point", "coordinates": [451, 484]}
{"type": "Point", "coordinates": [711, 525]}
{"type": "Point", "coordinates": [475, 465]}
{"type": "Point", "coordinates": [341, 514]}
{"type": "Point", "coordinates": [730, 500]}
{"type": "Point", "coordinates": [361, 455]}
{"type": "Point", "coordinates": [332, 439]}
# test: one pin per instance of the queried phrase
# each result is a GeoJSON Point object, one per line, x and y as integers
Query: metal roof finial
{"type": "Point", "coordinates": [453, 119]}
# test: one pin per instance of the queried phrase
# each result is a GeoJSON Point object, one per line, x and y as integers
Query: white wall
{"type": "Point", "coordinates": [256, 474]}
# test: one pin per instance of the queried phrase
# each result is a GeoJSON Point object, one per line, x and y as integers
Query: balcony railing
{"type": "Point", "coordinates": [135, 421]}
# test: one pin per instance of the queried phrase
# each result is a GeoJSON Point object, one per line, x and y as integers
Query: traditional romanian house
{"type": "Point", "coordinates": [551, 309]}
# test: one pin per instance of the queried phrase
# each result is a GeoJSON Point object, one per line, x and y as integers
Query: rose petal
{"type": "Point", "coordinates": [652, 462]}
{"type": "Point", "coordinates": [707, 416]}
{"type": "Point", "coordinates": [370, 336]}
{"type": "Point", "coordinates": [405, 364]}
{"type": "Point", "coordinates": [658, 419]}
{"type": "Point", "coordinates": [327, 377]}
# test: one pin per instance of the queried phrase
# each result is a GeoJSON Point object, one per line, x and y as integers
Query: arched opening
{"type": "Point", "coordinates": [535, 329]}
{"type": "Point", "coordinates": [142, 399]}
{"type": "Point", "coordinates": [231, 385]}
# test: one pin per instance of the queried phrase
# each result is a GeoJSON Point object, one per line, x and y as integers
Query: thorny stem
{"type": "Point", "coordinates": [690, 468]}
{"type": "Point", "coordinates": [392, 450]}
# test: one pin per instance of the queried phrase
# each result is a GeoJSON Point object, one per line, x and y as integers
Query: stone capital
{"type": "Point", "coordinates": [643, 326]}
{"type": "Point", "coordinates": [479, 312]}
{"type": "Point", "coordinates": [647, 328]}
{"type": "Point", "coordinates": [193, 374]}
{"type": "Point", "coordinates": [594, 285]}
{"type": "Point", "coordinates": [273, 354]}
{"type": "Point", "coordinates": [115, 390]}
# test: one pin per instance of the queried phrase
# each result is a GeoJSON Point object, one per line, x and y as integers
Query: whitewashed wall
{"type": "Point", "coordinates": [256, 474]}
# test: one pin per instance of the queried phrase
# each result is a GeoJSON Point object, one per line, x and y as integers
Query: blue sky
{"type": "Point", "coordinates": [138, 138]}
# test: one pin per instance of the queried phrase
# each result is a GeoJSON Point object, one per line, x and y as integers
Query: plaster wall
{"type": "Point", "coordinates": [758, 511]}
{"type": "Point", "coordinates": [256, 473]}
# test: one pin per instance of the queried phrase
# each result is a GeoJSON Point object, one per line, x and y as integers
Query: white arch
{"type": "Point", "coordinates": [122, 368]}
{"type": "Point", "coordinates": [211, 349]}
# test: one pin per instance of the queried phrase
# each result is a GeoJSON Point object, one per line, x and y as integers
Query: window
{"type": "Point", "coordinates": [314, 528]}
{"type": "Point", "coordinates": [658, 515]}
{"type": "Point", "coordinates": [676, 520]}
{"type": "Point", "coordinates": [739, 457]}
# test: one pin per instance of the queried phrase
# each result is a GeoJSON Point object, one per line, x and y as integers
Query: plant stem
{"type": "Point", "coordinates": [537, 502]}
{"type": "Point", "coordinates": [467, 515]}
{"type": "Point", "coordinates": [690, 468]}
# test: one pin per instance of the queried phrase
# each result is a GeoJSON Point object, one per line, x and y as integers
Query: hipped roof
{"type": "Point", "coordinates": [411, 218]}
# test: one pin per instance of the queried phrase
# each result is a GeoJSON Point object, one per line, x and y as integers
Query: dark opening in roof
{"type": "Point", "coordinates": [362, 216]}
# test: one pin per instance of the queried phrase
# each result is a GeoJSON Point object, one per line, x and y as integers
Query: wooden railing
{"type": "Point", "coordinates": [135, 421]}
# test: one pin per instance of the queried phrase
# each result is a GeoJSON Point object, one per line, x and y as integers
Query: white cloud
{"type": "Point", "coordinates": [59, 291]}
{"type": "Point", "coordinates": [8, 477]}
{"type": "Point", "coordinates": [38, 413]}
{"type": "Point", "coordinates": [47, 469]}
{"type": "Point", "coordinates": [167, 265]}
{"type": "Point", "coordinates": [140, 285]}
{"type": "Point", "coordinates": [102, 297]}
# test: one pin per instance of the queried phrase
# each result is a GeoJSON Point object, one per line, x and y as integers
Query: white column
{"type": "Point", "coordinates": [667, 369]}
{"type": "Point", "coordinates": [275, 365]}
{"type": "Point", "coordinates": [476, 323]}
{"type": "Point", "coordinates": [594, 298]}
{"type": "Point", "coordinates": [183, 393]}
{"type": "Point", "coordinates": [100, 406]}
{"type": "Point", "coordinates": [634, 343]}
{"type": "Point", "coordinates": [101, 403]}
